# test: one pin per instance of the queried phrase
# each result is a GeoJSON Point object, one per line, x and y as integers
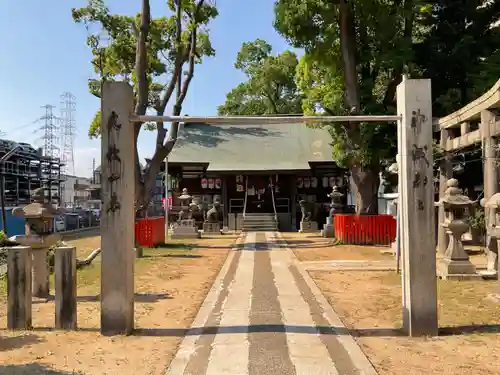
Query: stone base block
{"type": "Point", "coordinates": [448, 269]}
{"type": "Point", "coordinates": [185, 232]}
{"type": "Point", "coordinates": [211, 227]}
{"type": "Point", "coordinates": [308, 227]}
{"type": "Point", "coordinates": [186, 223]}
{"type": "Point", "coordinates": [328, 231]}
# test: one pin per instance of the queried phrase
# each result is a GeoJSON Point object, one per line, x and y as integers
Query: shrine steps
{"type": "Point", "coordinates": [259, 223]}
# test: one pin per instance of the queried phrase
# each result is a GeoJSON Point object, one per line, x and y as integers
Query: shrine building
{"type": "Point", "coordinates": [264, 169]}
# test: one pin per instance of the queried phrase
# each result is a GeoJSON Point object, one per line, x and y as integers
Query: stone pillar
{"type": "Point", "coordinates": [40, 275]}
{"type": "Point", "coordinates": [65, 287]}
{"type": "Point", "coordinates": [490, 170]}
{"type": "Point", "coordinates": [445, 173]}
{"type": "Point", "coordinates": [19, 288]}
{"type": "Point", "coordinates": [118, 157]}
{"type": "Point", "coordinates": [416, 195]}
{"type": "Point", "coordinates": [293, 202]}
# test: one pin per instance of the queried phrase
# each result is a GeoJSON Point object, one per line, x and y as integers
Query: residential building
{"type": "Point", "coordinates": [75, 191]}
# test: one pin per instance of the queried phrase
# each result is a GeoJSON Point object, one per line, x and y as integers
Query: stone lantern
{"type": "Point", "coordinates": [186, 225]}
{"type": "Point", "coordinates": [335, 205]}
{"type": "Point", "coordinates": [39, 235]}
{"type": "Point", "coordinates": [456, 263]}
{"type": "Point", "coordinates": [492, 214]}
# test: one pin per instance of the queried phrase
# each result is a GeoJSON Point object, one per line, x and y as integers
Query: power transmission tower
{"type": "Point", "coordinates": [67, 132]}
{"type": "Point", "coordinates": [49, 128]}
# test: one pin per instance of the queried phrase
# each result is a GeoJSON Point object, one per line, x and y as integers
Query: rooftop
{"type": "Point", "coordinates": [276, 147]}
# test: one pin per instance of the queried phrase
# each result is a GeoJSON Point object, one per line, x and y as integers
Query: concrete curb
{"type": "Point", "coordinates": [357, 355]}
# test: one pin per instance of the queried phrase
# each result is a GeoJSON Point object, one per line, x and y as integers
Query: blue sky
{"type": "Point", "coordinates": [44, 54]}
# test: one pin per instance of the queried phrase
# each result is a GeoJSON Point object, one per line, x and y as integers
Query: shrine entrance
{"type": "Point", "coordinates": [416, 197]}
{"type": "Point", "coordinates": [259, 195]}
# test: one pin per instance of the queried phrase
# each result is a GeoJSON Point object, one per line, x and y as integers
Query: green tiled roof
{"type": "Point", "coordinates": [251, 147]}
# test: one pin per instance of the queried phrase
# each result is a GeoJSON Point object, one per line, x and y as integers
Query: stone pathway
{"type": "Point", "coordinates": [265, 316]}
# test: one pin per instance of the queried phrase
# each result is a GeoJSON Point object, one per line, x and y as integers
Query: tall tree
{"type": "Point", "coordinates": [352, 65]}
{"type": "Point", "coordinates": [270, 87]}
{"type": "Point", "coordinates": [151, 55]}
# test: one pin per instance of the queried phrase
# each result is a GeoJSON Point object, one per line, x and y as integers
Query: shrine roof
{"type": "Point", "coordinates": [251, 147]}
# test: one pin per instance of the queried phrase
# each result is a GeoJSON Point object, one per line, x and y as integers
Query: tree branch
{"type": "Point", "coordinates": [141, 62]}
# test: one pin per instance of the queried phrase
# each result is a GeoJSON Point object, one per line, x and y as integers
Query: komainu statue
{"type": "Point", "coordinates": [214, 214]}
{"type": "Point", "coordinates": [307, 209]}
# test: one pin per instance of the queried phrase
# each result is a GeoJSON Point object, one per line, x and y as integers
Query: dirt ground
{"type": "Point", "coordinates": [369, 303]}
{"type": "Point", "coordinates": [316, 248]}
{"type": "Point", "coordinates": [171, 284]}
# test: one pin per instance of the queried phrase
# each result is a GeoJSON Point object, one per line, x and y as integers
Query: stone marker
{"type": "Point", "coordinates": [416, 197]}
{"type": "Point", "coordinates": [65, 287]}
{"type": "Point", "coordinates": [118, 157]}
{"type": "Point", "coordinates": [19, 287]}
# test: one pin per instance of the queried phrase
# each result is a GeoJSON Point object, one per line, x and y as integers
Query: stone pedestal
{"type": "Point", "coordinates": [40, 245]}
{"type": "Point", "coordinates": [449, 269]}
{"type": "Point", "coordinates": [308, 227]}
{"type": "Point", "coordinates": [328, 229]}
{"type": "Point", "coordinates": [65, 287]}
{"type": "Point", "coordinates": [185, 229]}
{"type": "Point", "coordinates": [19, 288]}
{"type": "Point", "coordinates": [211, 227]}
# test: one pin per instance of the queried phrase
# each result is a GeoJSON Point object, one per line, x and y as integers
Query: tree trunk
{"type": "Point", "coordinates": [367, 182]}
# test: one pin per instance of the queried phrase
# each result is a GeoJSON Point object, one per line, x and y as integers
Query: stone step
{"type": "Point", "coordinates": [259, 228]}
{"type": "Point", "coordinates": [259, 214]}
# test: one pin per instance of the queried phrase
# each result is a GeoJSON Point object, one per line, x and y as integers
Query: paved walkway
{"type": "Point", "coordinates": [265, 316]}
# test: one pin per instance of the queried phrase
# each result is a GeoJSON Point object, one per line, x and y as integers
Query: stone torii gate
{"type": "Point", "coordinates": [416, 189]}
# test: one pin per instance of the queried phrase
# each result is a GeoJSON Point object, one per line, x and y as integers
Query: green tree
{"type": "Point", "coordinates": [150, 54]}
{"type": "Point", "coordinates": [270, 87]}
{"type": "Point", "coordinates": [354, 60]}
{"type": "Point", "coordinates": [460, 51]}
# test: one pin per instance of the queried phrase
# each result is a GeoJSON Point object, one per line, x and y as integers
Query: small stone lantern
{"type": "Point", "coordinates": [492, 212]}
{"type": "Point", "coordinates": [39, 235]}
{"type": "Point", "coordinates": [456, 263]}
{"type": "Point", "coordinates": [335, 205]}
{"type": "Point", "coordinates": [186, 225]}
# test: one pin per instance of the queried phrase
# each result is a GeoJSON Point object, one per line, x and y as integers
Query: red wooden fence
{"type": "Point", "coordinates": [365, 229]}
{"type": "Point", "coordinates": [150, 232]}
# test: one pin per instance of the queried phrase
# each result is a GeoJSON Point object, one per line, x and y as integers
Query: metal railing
{"type": "Point", "coordinates": [272, 195]}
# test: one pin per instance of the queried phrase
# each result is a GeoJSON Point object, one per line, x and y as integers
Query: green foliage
{"type": "Point", "coordinates": [477, 220]}
{"type": "Point", "coordinates": [380, 50]}
{"type": "Point", "coordinates": [270, 87]}
{"type": "Point", "coordinates": [113, 40]}
{"type": "Point", "coordinates": [460, 51]}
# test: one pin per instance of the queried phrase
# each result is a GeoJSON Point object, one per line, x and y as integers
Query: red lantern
{"type": "Point", "coordinates": [218, 183]}
{"type": "Point", "coordinates": [210, 183]}
{"type": "Point", "coordinates": [204, 183]}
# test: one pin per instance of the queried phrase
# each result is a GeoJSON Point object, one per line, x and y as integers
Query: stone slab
{"type": "Point", "coordinates": [211, 228]}
{"type": "Point", "coordinates": [308, 227]}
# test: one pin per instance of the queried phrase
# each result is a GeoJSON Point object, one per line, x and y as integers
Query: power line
{"type": "Point", "coordinates": [67, 132]}
{"type": "Point", "coordinates": [50, 129]}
